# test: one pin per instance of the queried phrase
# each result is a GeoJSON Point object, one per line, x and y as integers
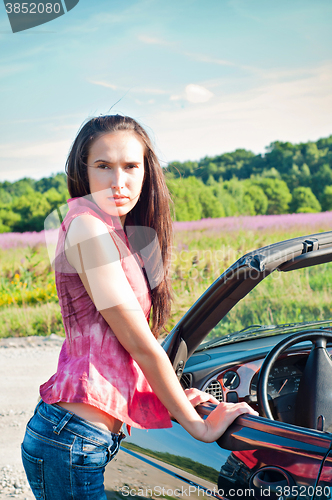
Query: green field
{"type": "Point", "coordinates": [29, 306]}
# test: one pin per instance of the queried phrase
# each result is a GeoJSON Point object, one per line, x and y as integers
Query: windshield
{"type": "Point", "coordinates": [299, 296]}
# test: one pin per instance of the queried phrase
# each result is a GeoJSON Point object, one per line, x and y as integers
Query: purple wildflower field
{"type": "Point", "coordinates": [312, 222]}
{"type": "Point", "coordinates": [31, 239]}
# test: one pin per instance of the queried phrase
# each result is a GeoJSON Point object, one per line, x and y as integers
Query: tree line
{"type": "Point", "coordinates": [25, 204]}
{"type": "Point", "coordinates": [288, 178]}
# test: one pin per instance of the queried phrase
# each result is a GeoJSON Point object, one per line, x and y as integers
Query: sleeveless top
{"type": "Point", "coordinates": [94, 368]}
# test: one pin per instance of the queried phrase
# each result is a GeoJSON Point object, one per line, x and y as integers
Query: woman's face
{"type": "Point", "coordinates": [116, 172]}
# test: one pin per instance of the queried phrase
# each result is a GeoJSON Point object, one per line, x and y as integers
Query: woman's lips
{"type": "Point", "coordinates": [118, 200]}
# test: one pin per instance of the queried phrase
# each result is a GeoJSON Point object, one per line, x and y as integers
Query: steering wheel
{"type": "Point", "coordinates": [313, 406]}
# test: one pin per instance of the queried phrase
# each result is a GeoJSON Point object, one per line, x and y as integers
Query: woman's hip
{"type": "Point", "coordinates": [65, 456]}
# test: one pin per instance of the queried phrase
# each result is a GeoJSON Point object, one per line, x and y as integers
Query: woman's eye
{"type": "Point", "coordinates": [103, 167]}
{"type": "Point", "coordinates": [131, 165]}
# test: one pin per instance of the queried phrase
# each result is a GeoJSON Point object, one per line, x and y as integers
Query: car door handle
{"type": "Point", "coordinates": [272, 478]}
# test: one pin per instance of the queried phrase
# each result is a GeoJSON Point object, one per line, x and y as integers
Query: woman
{"type": "Point", "coordinates": [112, 265]}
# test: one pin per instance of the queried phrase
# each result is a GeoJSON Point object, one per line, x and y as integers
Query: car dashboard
{"type": "Point", "coordinates": [230, 373]}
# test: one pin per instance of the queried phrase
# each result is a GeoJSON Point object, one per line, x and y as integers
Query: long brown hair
{"type": "Point", "coordinates": [151, 210]}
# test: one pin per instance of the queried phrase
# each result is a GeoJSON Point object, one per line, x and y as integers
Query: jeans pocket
{"type": "Point", "coordinates": [34, 469]}
{"type": "Point", "coordinates": [87, 454]}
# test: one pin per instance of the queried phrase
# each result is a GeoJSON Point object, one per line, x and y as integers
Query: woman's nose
{"type": "Point", "coordinates": [117, 181]}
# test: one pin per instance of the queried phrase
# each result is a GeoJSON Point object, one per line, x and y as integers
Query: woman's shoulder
{"type": "Point", "coordinates": [89, 238]}
{"type": "Point", "coordinates": [86, 226]}
{"type": "Point", "coordinates": [84, 217]}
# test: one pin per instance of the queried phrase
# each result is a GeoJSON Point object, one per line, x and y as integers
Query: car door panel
{"type": "Point", "coordinates": [228, 468]}
{"type": "Point", "coordinates": [288, 455]}
{"type": "Point", "coordinates": [323, 490]}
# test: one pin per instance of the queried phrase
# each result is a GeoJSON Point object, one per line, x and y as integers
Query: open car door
{"type": "Point", "coordinates": [256, 457]}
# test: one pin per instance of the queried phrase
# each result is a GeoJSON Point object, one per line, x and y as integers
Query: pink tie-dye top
{"type": "Point", "coordinates": [93, 366]}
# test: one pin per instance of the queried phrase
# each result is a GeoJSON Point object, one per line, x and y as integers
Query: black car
{"type": "Point", "coordinates": [279, 363]}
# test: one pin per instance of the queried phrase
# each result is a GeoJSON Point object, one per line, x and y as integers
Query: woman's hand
{"type": "Point", "coordinates": [222, 417]}
{"type": "Point", "coordinates": [197, 397]}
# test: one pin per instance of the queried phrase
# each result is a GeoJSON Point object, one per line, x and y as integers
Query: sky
{"type": "Point", "coordinates": [203, 78]}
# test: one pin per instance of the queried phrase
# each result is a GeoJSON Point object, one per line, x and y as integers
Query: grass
{"type": "Point", "coordinates": [29, 305]}
{"type": "Point", "coordinates": [200, 257]}
{"type": "Point", "coordinates": [28, 300]}
{"type": "Point", "coordinates": [41, 319]}
{"type": "Point", "coordinates": [300, 296]}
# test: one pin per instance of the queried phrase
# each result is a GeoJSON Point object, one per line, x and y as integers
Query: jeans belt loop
{"type": "Point", "coordinates": [64, 421]}
{"type": "Point", "coordinates": [113, 448]}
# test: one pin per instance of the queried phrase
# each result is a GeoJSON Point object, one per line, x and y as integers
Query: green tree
{"type": "Point", "coordinates": [280, 156]}
{"type": "Point", "coordinates": [57, 181]}
{"type": "Point", "coordinates": [323, 177]}
{"type": "Point", "coordinates": [176, 169]}
{"type": "Point", "coordinates": [311, 154]}
{"type": "Point", "coordinates": [193, 200]}
{"type": "Point", "coordinates": [271, 172]}
{"type": "Point", "coordinates": [5, 197]}
{"type": "Point", "coordinates": [211, 207]}
{"type": "Point", "coordinates": [257, 196]}
{"type": "Point", "coordinates": [185, 206]}
{"type": "Point", "coordinates": [327, 198]}
{"type": "Point", "coordinates": [226, 199]}
{"type": "Point", "coordinates": [235, 197]}
{"type": "Point", "coordinates": [20, 187]}
{"type": "Point", "coordinates": [8, 219]}
{"type": "Point", "coordinates": [55, 198]}
{"type": "Point", "coordinates": [33, 209]}
{"type": "Point", "coordinates": [277, 193]}
{"type": "Point", "coordinates": [304, 200]}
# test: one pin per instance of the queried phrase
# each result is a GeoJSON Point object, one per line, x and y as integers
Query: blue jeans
{"type": "Point", "coordinates": [64, 456]}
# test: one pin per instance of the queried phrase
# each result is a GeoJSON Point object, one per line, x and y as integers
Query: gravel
{"type": "Point", "coordinates": [13, 483]}
{"type": "Point", "coordinates": [25, 363]}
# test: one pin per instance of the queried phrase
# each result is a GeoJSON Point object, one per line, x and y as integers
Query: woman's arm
{"type": "Point", "coordinates": [93, 253]}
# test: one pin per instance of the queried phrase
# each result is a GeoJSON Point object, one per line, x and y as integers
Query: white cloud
{"type": "Point", "coordinates": [12, 69]}
{"type": "Point", "coordinates": [208, 59]}
{"type": "Point", "coordinates": [193, 93]}
{"type": "Point", "coordinates": [174, 97]}
{"type": "Point", "coordinates": [34, 160]}
{"type": "Point", "coordinates": [65, 127]}
{"type": "Point", "coordinates": [144, 103]}
{"type": "Point", "coordinates": [294, 105]}
{"type": "Point", "coordinates": [37, 150]}
{"type": "Point", "coordinates": [153, 40]}
{"type": "Point", "coordinates": [104, 84]}
{"type": "Point", "coordinates": [197, 93]}
{"type": "Point", "coordinates": [143, 90]}
{"type": "Point", "coordinates": [47, 121]}
{"type": "Point", "coordinates": [296, 108]}
{"type": "Point", "coordinates": [135, 90]}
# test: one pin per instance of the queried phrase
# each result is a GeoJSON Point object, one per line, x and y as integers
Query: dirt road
{"type": "Point", "coordinates": [25, 363]}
